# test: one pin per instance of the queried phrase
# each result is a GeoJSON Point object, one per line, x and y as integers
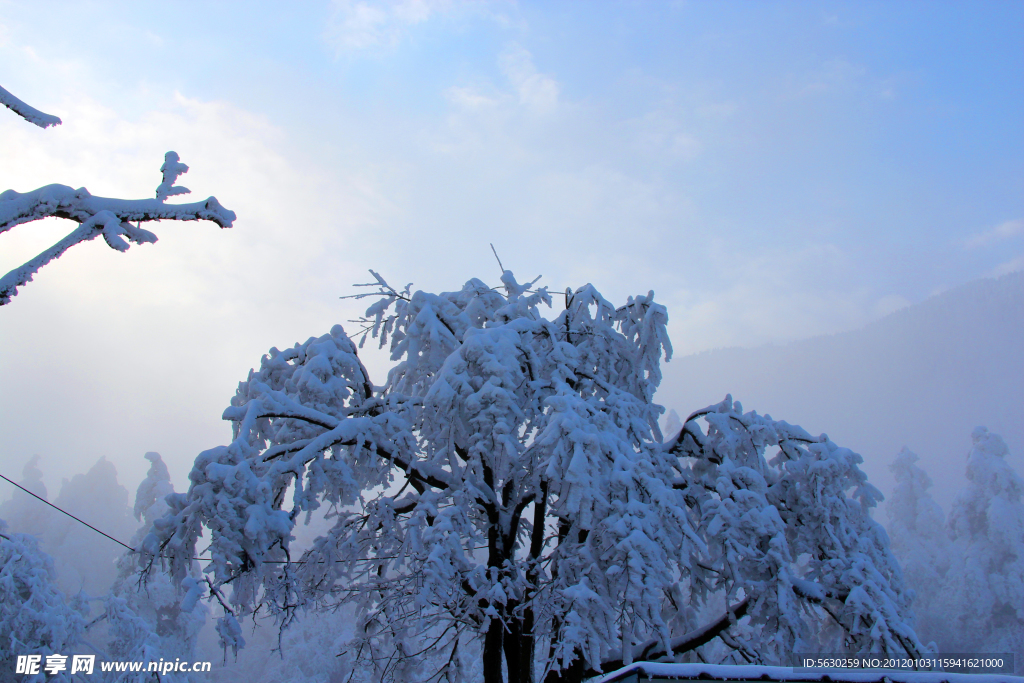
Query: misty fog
{"type": "Point", "coordinates": [922, 377]}
{"type": "Point", "coordinates": [825, 197]}
{"type": "Point", "coordinates": [905, 392]}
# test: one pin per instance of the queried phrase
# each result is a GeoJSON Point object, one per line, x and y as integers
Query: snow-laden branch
{"type": "Point", "coordinates": [654, 649]}
{"type": "Point", "coordinates": [171, 169]}
{"type": "Point", "coordinates": [30, 114]}
{"type": "Point", "coordinates": [685, 643]}
{"type": "Point", "coordinates": [111, 218]}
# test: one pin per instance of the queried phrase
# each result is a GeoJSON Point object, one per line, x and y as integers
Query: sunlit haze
{"type": "Point", "coordinates": [773, 171]}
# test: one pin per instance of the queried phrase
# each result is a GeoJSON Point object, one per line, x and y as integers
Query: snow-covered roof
{"type": "Point", "coordinates": [736, 672]}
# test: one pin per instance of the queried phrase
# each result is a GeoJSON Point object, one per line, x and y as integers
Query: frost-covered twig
{"type": "Point", "coordinates": [30, 114]}
{"type": "Point", "coordinates": [171, 169]}
{"type": "Point", "coordinates": [383, 289]}
{"type": "Point", "coordinates": [111, 218]}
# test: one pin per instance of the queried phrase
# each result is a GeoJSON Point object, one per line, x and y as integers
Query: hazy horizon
{"type": "Point", "coordinates": [773, 171]}
{"type": "Point", "coordinates": [742, 372]}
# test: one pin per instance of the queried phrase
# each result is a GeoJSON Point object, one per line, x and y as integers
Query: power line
{"type": "Point", "coordinates": [201, 559]}
{"type": "Point", "coordinates": [68, 514]}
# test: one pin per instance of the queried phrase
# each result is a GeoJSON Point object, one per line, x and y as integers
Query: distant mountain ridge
{"type": "Point", "coordinates": [923, 376]}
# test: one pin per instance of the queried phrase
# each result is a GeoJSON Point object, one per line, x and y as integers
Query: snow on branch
{"type": "Point", "coordinates": [111, 218]}
{"type": "Point", "coordinates": [690, 641]}
{"type": "Point", "coordinates": [171, 169]}
{"type": "Point", "coordinates": [30, 114]}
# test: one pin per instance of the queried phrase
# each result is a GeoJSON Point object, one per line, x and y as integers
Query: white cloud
{"type": "Point", "coordinates": [1011, 266]}
{"type": "Point", "coordinates": [1001, 232]}
{"type": "Point", "coordinates": [661, 133]}
{"type": "Point", "coordinates": [526, 89]}
{"type": "Point", "coordinates": [154, 38]}
{"type": "Point", "coordinates": [890, 303]}
{"type": "Point", "coordinates": [504, 118]}
{"type": "Point", "coordinates": [358, 25]}
{"type": "Point", "coordinates": [888, 88]}
{"type": "Point", "coordinates": [776, 295]}
{"type": "Point", "coordinates": [716, 110]}
{"type": "Point", "coordinates": [536, 91]}
{"type": "Point", "coordinates": [834, 76]}
{"type": "Point", "coordinates": [469, 98]}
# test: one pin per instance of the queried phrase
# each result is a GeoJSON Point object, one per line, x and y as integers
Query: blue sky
{"type": "Point", "coordinates": [772, 170]}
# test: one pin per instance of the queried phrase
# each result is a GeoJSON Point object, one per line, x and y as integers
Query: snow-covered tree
{"type": "Point", "coordinates": [672, 423]}
{"type": "Point", "coordinates": [35, 617]}
{"type": "Point", "coordinates": [506, 496]}
{"type": "Point", "coordinates": [113, 613]}
{"type": "Point", "coordinates": [159, 617]}
{"type": "Point", "coordinates": [983, 595]}
{"type": "Point", "coordinates": [23, 513]}
{"type": "Point", "coordinates": [917, 533]}
{"type": "Point", "coordinates": [96, 216]}
{"type": "Point", "coordinates": [83, 559]}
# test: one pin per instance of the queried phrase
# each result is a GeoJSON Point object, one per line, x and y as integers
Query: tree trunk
{"type": "Point", "coordinates": [575, 672]}
{"type": "Point", "coordinates": [513, 644]}
{"type": "Point", "coordinates": [492, 651]}
{"type": "Point", "coordinates": [526, 648]}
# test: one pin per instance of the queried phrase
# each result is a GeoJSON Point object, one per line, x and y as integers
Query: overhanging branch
{"type": "Point", "coordinates": [29, 113]}
{"type": "Point", "coordinates": [685, 643]}
{"type": "Point", "coordinates": [111, 218]}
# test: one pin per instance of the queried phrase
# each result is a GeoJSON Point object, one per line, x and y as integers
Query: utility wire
{"type": "Point", "coordinates": [68, 514]}
{"type": "Point", "coordinates": [202, 559]}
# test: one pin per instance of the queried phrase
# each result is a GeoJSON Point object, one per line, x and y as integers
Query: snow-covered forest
{"type": "Point", "coordinates": [232, 448]}
{"type": "Point", "coordinates": [966, 569]}
{"type": "Point", "coordinates": [966, 565]}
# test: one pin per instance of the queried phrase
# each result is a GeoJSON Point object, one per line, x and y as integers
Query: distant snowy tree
{"type": "Point", "coordinates": [672, 423]}
{"type": "Point", "coordinates": [83, 563]}
{"type": "Point", "coordinates": [306, 652]}
{"type": "Point", "coordinates": [983, 595]}
{"type": "Point", "coordinates": [83, 559]}
{"type": "Point", "coordinates": [23, 513]}
{"type": "Point", "coordinates": [917, 533]}
{"type": "Point", "coordinates": [506, 496]}
{"type": "Point", "coordinates": [159, 617]}
{"type": "Point", "coordinates": [35, 617]}
{"type": "Point", "coordinates": [127, 619]}
{"type": "Point", "coordinates": [96, 216]}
